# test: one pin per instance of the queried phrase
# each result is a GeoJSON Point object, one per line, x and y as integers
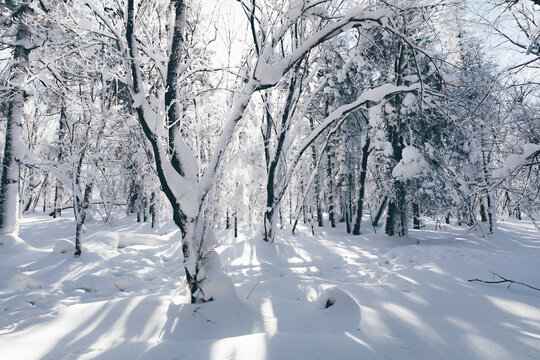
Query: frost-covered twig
{"type": "Point", "coordinates": [503, 280]}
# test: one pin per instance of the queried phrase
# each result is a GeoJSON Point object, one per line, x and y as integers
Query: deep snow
{"type": "Point", "coordinates": [391, 298]}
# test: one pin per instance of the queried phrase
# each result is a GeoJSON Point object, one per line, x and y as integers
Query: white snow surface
{"type": "Point", "coordinates": [328, 296]}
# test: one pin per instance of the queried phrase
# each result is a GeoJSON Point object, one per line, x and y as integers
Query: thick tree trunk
{"type": "Point", "coordinates": [182, 166]}
{"type": "Point", "coordinates": [483, 212]}
{"type": "Point", "coordinates": [9, 181]}
{"type": "Point", "coordinates": [362, 189]}
{"type": "Point", "coordinates": [269, 225]}
{"type": "Point", "coordinates": [391, 219]}
{"type": "Point", "coordinates": [396, 219]}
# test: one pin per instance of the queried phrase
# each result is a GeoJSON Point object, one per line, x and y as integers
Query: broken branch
{"type": "Point", "coordinates": [503, 280]}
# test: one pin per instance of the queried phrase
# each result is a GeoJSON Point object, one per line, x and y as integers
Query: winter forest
{"type": "Point", "coordinates": [269, 179]}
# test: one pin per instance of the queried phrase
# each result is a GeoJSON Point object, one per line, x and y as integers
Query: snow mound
{"type": "Point", "coordinates": [134, 239]}
{"type": "Point", "coordinates": [336, 299]}
{"type": "Point", "coordinates": [14, 243]}
{"type": "Point", "coordinates": [63, 246]}
{"type": "Point", "coordinates": [217, 281]}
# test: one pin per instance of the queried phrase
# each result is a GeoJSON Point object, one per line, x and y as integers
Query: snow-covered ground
{"type": "Point", "coordinates": [391, 298]}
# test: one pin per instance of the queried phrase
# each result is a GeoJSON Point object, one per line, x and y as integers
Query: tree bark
{"type": "Point", "coordinates": [9, 181]}
{"type": "Point", "coordinates": [317, 181]}
{"type": "Point", "coordinates": [154, 206]}
{"type": "Point", "coordinates": [79, 229]}
{"type": "Point", "coordinates": [273, 187]}
{"type": "Point", "coordinates": [331, 208]}
{"type": "Point", "coordinates": [57, 212]}
{"type": "Point", "coordinates": [416, 216]}
{"type": "Point", "coordinates": [361, 191]}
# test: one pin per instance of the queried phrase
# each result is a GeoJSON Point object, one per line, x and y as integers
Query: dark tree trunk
{"type": "Point", "coordinates": [391, 217]}
{"type": "Point", "coordinates": [273, 195]}
{"type": "Point", "coordinates": [416, 216]}
{"type": "Point", "coordinates": [235, 225]}
{"type": "Point", "coordinates": [317, 181]}
{"type": "Point", "coordinates": [145, 209]}
{"type": "Point", "coordinates": [331, 208]}
{"type": "Point", "coordinates": [362, 189]}
{"type": "Point", "coordinates": [490, 214]}
{"type": "Point", "coordinates": [154, 210]}
{"type": "Point", "coordinates": [347, 220]}
{"type": "Point", "coordinates": [396, 220]}
{"type": "Point", "coordinates": [380, 212]}
{"type": "Point", "coordinates": [483, 213]}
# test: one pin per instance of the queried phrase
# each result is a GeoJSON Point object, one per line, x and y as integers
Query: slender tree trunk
{"type": "Point", "coordinates": [145, 208]}
{"type": "Point", "coordinates": [235, 225]}
{"type": "Point", "coordinates": [317, 181]}
{"type": "Point", "coordinates": [380, 212]}
{"type": "Point", "coordinates": [403, 229]}
{"type": "Point", "coordinates": [273, 190]}
{"type": "Point", "coordinates": [154, 206]}
{"type": "Point", "coordinates": [83, 207]}
{"type": "Point", "coordinates": [416, 216]}
{"type": "Point", "coordinates": [331, 208]}
{"type": "Point", "coordinates": [486, 159]}
{"type": "Point", "coordinates": [45, 199]}
{"type": "Point", "coordinates": [79, 229]}
{"type": "Point", "coordinates": [362, 189]}
{"type": "Point", "coordinates": [491, 215]}
{"type": "Point", "coordinates": [347, 220]}
{"type": "Point", "coordinates": [57, 212]}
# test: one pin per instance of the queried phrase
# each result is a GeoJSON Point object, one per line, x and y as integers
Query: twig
{"type": "Point", "coordinates": [504, 280]}
{"type": "Point", "coordinates": [253, 288]}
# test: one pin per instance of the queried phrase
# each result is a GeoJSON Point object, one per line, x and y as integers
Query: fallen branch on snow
{"type": "Point", "coordinates": [504, 280]}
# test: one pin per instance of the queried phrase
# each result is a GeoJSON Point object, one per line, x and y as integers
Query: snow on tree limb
{"type": "Point", "coordinates": [268, 74]}
{"type": "Point", "coordinates": [374, 95]}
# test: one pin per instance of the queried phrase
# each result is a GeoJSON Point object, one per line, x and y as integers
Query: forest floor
{"type": "Point", "coordinates": [391, 298]}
